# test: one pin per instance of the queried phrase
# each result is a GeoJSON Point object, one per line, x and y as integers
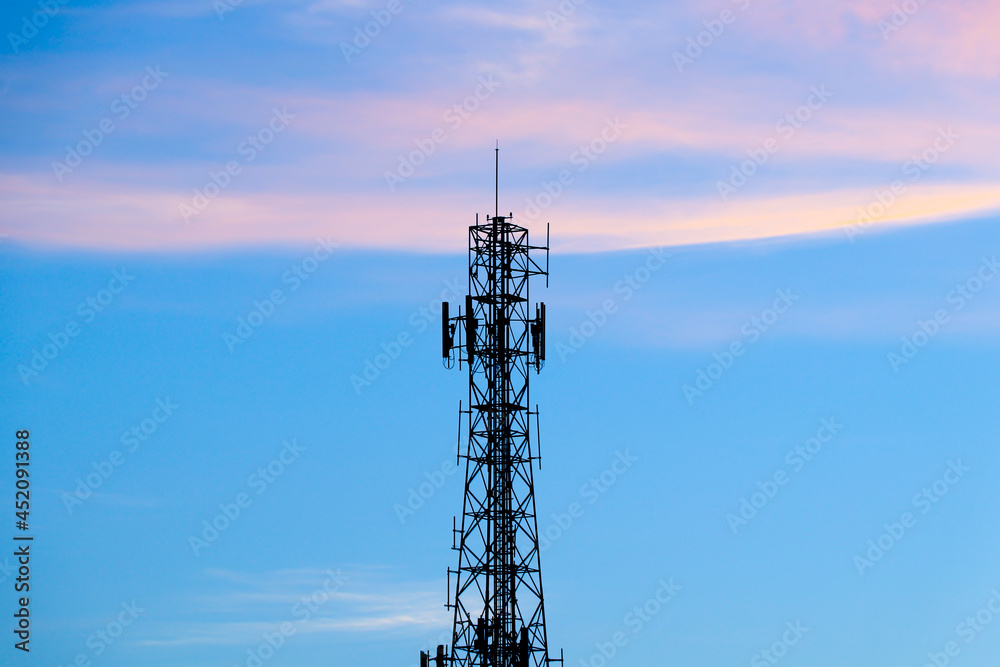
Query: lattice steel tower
{"type": "Point", "coordinates": [496, 592]}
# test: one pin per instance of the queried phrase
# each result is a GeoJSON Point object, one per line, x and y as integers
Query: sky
{"type": "Point", "coordinates": [624, 96]}
{"type": "Point", "coordinates": [777, 447]}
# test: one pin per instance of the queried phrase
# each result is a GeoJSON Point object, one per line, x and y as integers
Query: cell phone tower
{"type": "Point", "coordinates": [496, 592]}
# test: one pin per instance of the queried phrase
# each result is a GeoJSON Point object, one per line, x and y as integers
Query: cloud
{"type": "Point", "coordinates": [95, 215]}
{"type": "Point", "coordinates": [490, 18]}
{"type": "Point", "coordinates": [364, 602]}
{"type": "Point", "coordinates": [951, 38]}
{"type": "Point", "coordinates": [325, 174]}
{"type": "Point", "coordinates": [957, 38]}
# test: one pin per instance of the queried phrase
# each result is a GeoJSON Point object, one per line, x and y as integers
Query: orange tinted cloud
{"type": "Point", "coordinates": [95, 216]}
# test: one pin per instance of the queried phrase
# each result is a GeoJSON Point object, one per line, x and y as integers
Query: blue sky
{"type": "Point", "coordinates": [332, 509]}
{"type": "Point", "coordinates": [249, 184]}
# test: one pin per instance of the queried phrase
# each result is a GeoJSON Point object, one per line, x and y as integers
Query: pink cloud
{"type": "Point", "coordinates": [956, 37]}
{"type": "Point", "coordinates": [326, 172]}
{"type": "Point", "coordinates": [98, 216]}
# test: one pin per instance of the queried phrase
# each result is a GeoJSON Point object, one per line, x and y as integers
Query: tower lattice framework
{"type": "Point", "coordinates": [496, 591]}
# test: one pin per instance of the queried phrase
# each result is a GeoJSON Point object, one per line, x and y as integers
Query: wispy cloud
{"type": "Point", "coordinates": [367, 602]}
{"type": "Point", "coordinates": [657, 185]}
{"type": "Point", "coordinates": [95, 215]}
{"type": "Point", "coordinates": [952, 38]}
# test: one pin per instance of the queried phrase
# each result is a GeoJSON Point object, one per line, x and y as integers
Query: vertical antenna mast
{"type": "Point", "coordinates": [499, 610]}
{"type": "Point", "coordinates": [496, 172]}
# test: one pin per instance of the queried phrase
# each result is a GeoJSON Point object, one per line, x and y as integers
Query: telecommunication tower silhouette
{"type": "Point", "coordinates": [496, 592]}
